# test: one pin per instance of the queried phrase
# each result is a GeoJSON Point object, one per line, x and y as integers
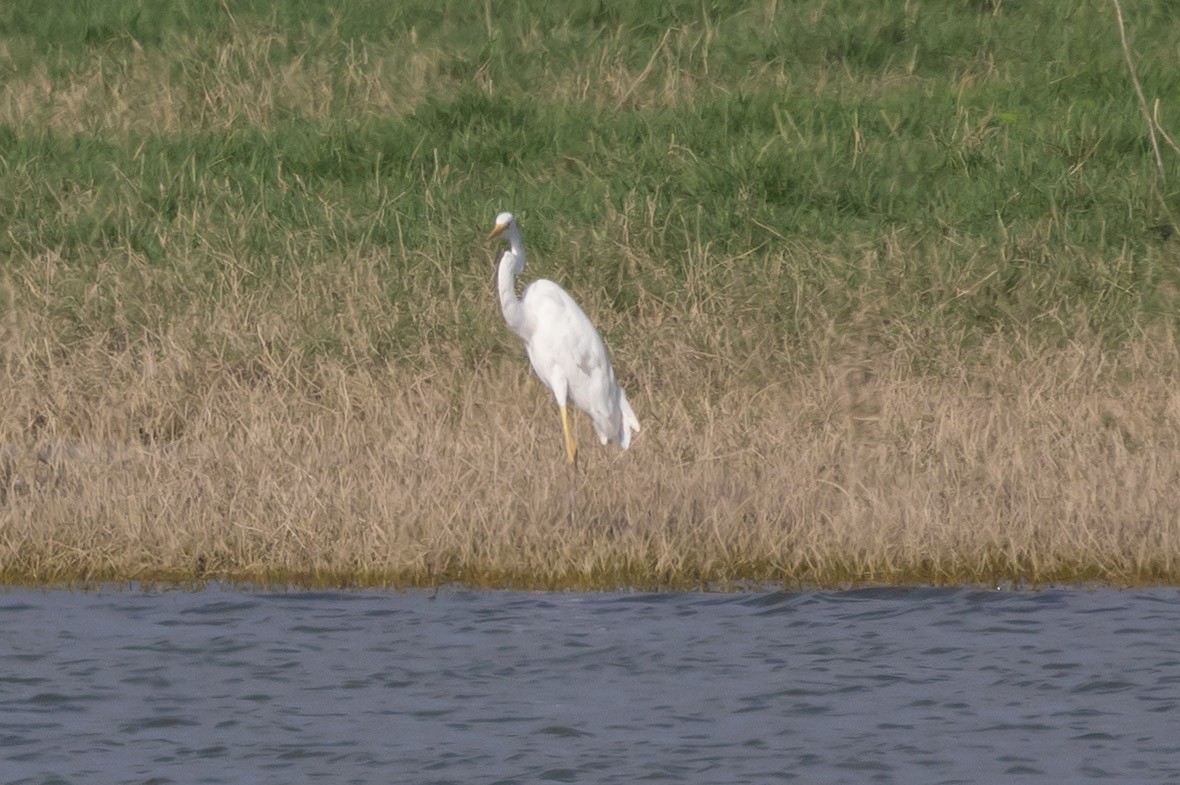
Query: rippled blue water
{"type": "Point", "coordinates": [866, 686]}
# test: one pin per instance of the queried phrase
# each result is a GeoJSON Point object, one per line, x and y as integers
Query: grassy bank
{"type": "Point", "coordinates": [893, 292]}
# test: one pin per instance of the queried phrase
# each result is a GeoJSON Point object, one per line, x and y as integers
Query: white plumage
{"type": "Point", "coordinates": [563, 347]}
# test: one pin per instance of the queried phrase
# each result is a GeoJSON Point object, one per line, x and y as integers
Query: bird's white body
{"type": "Point", "coordinates": [563, 346]}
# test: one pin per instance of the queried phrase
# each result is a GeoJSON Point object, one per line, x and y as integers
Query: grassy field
{"type": "Point", "coordinates": [893, 289]}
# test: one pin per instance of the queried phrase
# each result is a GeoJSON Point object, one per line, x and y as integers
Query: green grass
{"type": "Point", "coordinates": [1003, 146]}
{"type": "Point", "coordinates": [762, 189]}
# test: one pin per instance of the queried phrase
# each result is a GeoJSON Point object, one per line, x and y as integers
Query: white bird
{"type": "Point", "coordinates": [563, 347]}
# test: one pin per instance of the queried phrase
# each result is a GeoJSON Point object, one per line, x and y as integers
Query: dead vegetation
{"type": "Point", "coordinates": [1059, 466]}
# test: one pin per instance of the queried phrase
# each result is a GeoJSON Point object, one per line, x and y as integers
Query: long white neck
{"type": "Point", "coordinates": [511, 263]}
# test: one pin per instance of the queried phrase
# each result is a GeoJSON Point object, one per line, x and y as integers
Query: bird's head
{"type": "Point", "coordinates": [503, 221]}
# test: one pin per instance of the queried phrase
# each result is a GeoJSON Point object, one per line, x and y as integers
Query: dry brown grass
{"type": "Point", "coordinates": [159, 462]}
{"type": "Point", "coordinates": [198, 86]}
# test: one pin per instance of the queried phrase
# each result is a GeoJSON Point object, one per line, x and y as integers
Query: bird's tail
{"type": "Point", "coordinates": [630, 421]}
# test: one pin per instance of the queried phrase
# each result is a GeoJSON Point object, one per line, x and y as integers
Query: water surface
{"type": "Point", "coordinates": [866, 686]}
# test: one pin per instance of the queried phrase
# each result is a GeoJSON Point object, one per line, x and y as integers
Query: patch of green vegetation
{"type": "Point", "coordinates": [990, 156]}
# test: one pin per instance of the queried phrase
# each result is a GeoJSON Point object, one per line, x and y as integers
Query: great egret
{"type": "Point", "coordinates": [563, 347]}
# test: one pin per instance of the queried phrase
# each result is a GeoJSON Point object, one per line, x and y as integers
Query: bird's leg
{"type": "Point", "coordinates": [571, 447]}
{"type": "Point", "coordinates": [571, 464]}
